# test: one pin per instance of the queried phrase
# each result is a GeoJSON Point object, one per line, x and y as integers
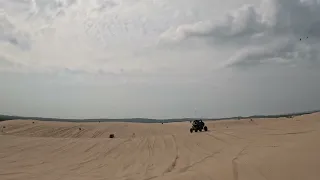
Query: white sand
{"type": "Point", "coordinates": [266, 149]}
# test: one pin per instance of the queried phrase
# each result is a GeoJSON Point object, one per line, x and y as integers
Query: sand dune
{"type": "Point", "coordinates": [277, 149]}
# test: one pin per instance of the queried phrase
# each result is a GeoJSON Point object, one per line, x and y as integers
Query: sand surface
{"type": "Point", "coordinates": [266, 149]}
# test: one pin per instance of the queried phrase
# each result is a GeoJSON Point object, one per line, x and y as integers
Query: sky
{"type": "Point", "coordinates": [158, 58]}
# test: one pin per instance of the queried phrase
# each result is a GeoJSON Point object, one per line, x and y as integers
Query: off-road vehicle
{"type": "Point", "coordinates": [198, 125]}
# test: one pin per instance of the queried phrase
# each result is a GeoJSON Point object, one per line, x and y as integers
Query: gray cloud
{"type": "Point", "coordinates": [8, 63]}
{"type": "Point", "coordinates": [281, 52]}
{"type": "Point", "coordinates": [4, 62]}
{"type": "Point", "coordinates": [260, 32]}
{"type": "Point", "coordinates": [243, 22]}
{"type": "Point", "coordinates": [293, 16]}
{"type": "Point", "coordinates": [279, 16]}
{"type": "Point", "coordinates": [10, 34]}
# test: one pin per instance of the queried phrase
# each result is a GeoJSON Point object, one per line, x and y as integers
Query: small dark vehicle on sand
{"type": "Point", "coordinates": [198, 125]}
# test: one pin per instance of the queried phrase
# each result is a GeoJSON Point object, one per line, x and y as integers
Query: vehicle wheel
{"type": "Point", "coordinates": [196, 130]}
{"type": "Point", "coordinates": [205, 128]}
{"type": "Point", "coordinates": [191, 130]}
{"type": "Point", "coordinates": [200, 130]}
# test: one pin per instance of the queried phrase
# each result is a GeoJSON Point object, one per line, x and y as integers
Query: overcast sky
{"type": "Point", "coordinates": [158, 58]}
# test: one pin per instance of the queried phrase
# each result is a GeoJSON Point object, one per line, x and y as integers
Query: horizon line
{"type": "Point", "coordinates": [158, 119]}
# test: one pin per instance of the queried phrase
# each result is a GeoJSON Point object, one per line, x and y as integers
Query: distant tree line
{"type": "Point", "coordinates": [146, 120]}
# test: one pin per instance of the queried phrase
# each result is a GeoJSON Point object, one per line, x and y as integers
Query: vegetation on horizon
{"type": "Point", "coordinates": [148, 120]}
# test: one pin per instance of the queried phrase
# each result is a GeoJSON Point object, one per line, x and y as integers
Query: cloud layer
{"type": "Point", "coordinates": [113, 36]}
{"type": "Point", "coordinates": [276, 31]}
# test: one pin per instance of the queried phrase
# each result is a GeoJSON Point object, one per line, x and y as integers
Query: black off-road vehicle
{"type": "Point", "coordinates": [198, 125]}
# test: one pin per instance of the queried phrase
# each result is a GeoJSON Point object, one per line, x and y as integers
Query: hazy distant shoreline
{"type": "Point", "coordinates": [149, 120]}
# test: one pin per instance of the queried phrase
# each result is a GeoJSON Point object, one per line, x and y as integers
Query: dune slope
{"type": "Point", "coordinates": [284, 149]}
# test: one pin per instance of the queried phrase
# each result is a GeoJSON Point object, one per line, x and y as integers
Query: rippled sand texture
{"type": "Point", "coordinates": [277, 149]}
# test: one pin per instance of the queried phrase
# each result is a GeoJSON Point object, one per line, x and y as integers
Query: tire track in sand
{"type": "Point", "coordinates": [200, 161]}
{"type": "Point", "coordinates": [175, 160]}
{"type": "Point", "coordinates": [235, 166]}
